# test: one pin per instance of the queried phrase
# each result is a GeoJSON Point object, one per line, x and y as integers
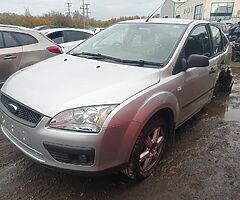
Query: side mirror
{"type": "Point", "coordinates": [195, 60]}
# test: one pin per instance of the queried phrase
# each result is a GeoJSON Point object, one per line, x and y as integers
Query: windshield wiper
{"type": "Point", "coordinates": [142, 62]}
{"type": "Point", "coordinates": [95, 55]}
{"type": "Point", "coordinates": [101, 56]}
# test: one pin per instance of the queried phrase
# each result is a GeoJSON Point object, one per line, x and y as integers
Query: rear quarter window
{"type": "Point", "coordinates": [225, 42]}
{"type": "Point", "coordinates": [87, 35]}
{"type": "Point", "coordinates": [25, 39]}
{"type": "Point", "coordinates": [216, 40]}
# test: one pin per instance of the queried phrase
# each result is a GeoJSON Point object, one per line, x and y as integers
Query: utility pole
{"type": "Point", "coordinates": [85, 12]}
{"type": "Point", "coordinates": [87, 9]}
{"type": "Point", "coordinates": [69, 5]}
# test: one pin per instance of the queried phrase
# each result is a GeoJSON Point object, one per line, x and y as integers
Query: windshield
{"type": "Point", "coordinates": [144, 44]}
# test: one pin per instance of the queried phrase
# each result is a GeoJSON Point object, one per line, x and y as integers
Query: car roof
{"type": "Point", "coordinates": [14, 27]}
{"type": "Point", "coordinates": [48, 31]}
{"type": "Point", "coordinates": [165, 21]}
{"type": "Point", "coordinates": [46, 27]}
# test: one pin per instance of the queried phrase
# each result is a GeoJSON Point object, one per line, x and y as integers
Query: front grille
{"type": "Point", "coordinates": [22, 113]}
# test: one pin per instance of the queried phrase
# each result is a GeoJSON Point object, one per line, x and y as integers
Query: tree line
{"type": "Point", "coordinates": [76, 20]}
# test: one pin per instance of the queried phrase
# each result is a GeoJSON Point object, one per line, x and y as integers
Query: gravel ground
{"type": "Point", "coordinates": [203, 164]}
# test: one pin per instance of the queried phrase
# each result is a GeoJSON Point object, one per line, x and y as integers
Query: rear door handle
{"type": "Point", "coordinates": [212, 71]}
{"type": "Point", "coordinates": [9, 57]}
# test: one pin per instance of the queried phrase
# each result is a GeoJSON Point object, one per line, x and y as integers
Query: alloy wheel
{"type": "Point", "coordinates": [153, 147]}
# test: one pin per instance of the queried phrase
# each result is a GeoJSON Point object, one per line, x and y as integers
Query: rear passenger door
{"type": "Point", "coordinates": [220, 58]}
{"type": "Point", "coordinates": [33, 51]}
{"type": "Point", "coordinates": [10, 55]}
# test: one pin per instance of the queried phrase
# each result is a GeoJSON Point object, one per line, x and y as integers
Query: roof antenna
{"type": "Point", "coordinates": [154, 12]}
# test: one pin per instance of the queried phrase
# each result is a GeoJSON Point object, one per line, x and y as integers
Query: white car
{"type": "Point", "coordinates": [67, 38]}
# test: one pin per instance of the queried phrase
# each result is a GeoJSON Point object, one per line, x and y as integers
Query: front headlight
{"type": "Point", "coordinates": [87, 119]}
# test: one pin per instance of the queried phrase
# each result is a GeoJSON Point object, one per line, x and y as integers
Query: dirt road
{"type": "Point", "coordinates": [203, 164]}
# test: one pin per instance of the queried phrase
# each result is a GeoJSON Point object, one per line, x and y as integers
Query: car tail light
{"type": "Point", "coordinates": [55, 49]}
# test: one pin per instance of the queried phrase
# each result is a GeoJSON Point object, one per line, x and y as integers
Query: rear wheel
{"type": "Point", "coordinates": [225, 82]}
{"type": "Point", "coordinates": [148, 149]}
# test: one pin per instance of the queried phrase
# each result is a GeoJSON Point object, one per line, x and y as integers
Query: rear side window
{"type": "Point", "coordinates": [25, 39]}
{"type": "Point", "coordinates": [216, 40]}
{"type": "Point", "coordinates": [71, 36]}
{"type": "Point", "coordinates": [87, 35]}
{"type": "Point", "coordinates": [57, 37]}
{"type": "Point", "coordinates": [198, 43]}
{"type": "Point", "coordinates": [1, 41]}
{"type": "Point", "coordinates": [225, 42]}
{"type": "Point", "coordinates": [10, 41]}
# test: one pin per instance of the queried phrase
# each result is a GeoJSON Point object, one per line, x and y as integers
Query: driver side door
{"type": "Point", "coordinates": [197, 88]}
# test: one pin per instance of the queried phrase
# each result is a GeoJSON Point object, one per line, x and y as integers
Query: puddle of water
{"type": "Point", "coordinates": [223, 110]}
{"type": "Point", "coordinates": [236, 70]}
{"type": "Point", "coordinates": [227, 107]}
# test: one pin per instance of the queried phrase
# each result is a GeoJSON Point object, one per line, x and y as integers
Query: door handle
{"type": "Point", "coordinates": [212, 71]}
{"type": "Point", "coordinates": [9, 57]}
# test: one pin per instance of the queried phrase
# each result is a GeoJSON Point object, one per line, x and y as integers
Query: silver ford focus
{"type": "Point", "coordinates": [115, 100]}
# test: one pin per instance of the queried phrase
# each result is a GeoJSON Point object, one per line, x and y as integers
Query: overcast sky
{"type": "Point", "coordinates": [100, 9]}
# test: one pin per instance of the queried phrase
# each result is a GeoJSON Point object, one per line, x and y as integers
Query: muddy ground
{"type": "Point", "coordinates": [203, 164]}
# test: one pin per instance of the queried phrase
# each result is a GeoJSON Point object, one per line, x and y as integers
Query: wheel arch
{"type": "Point", "coordinates": [164, 104]}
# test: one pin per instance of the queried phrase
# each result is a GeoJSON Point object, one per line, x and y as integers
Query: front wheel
{"type": "Point", "coordinates": [147, 150]}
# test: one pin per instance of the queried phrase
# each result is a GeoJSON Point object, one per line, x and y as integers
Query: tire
{"type": "Point", "coordinates": [148, 150]}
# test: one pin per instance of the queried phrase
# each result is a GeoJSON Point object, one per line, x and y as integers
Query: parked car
{"type": "Point", "coordinates": [114, 101]}
{"type": "Point", "coordinates": [21, 47]}
{"type": "Point", "coordinates": [67, 38]}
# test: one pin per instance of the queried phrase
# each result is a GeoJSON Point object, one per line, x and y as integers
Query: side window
{"type": "Point", "coordinates": [56, 37]}
{"type": "Point", "coordinates": [225, 42]}
{"type": "Point", "coordinates": [10, 41]}
{"type": "Point", "coordinates": [216, 40]}
{"type": "Point", "coordinates": [1, 41]}
{"type": "Point", "coordinates": [70, 36]}
{"type": "Point", "coordinates": [25, 39]}
{"type": "Point", "coordinates": [198, 43]}
{"type": "Point", "coordinates": [87, 35]}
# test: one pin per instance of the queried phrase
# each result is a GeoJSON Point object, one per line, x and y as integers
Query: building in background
{"type": "Point", "coordinates": [169, 8]}
{"type": "Point", "coordinates": [209, 9]}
